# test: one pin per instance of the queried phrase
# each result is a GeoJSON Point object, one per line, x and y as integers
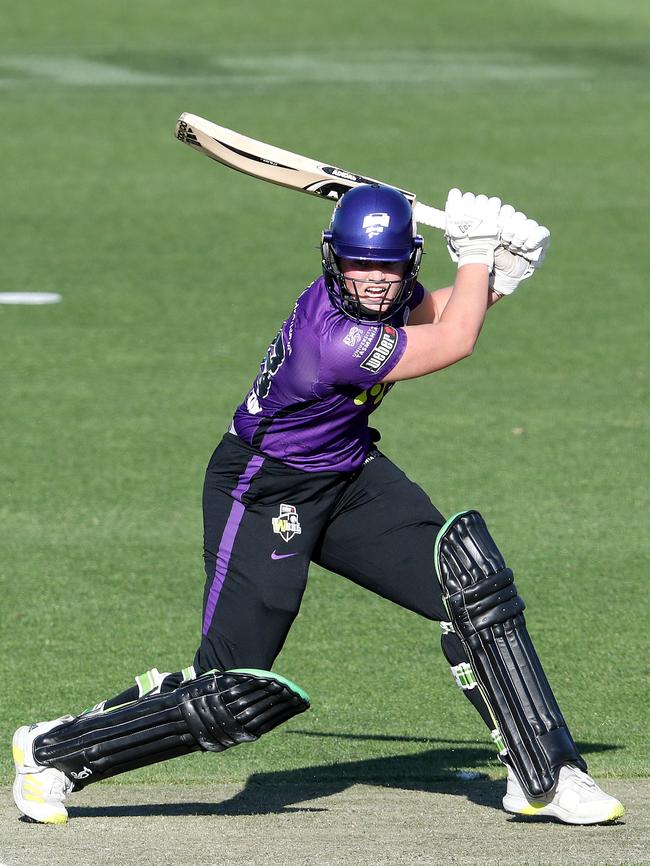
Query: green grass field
{"type": "Point", "coordinates": [175, 274]}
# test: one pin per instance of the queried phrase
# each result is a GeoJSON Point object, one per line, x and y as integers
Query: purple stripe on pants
{"type": "Point", "coordinates": [228, 538]}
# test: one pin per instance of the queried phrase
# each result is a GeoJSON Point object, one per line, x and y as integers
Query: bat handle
{"type": "Point", "coordinates": [429, 216]}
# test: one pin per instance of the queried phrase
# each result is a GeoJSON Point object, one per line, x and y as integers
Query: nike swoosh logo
{"type": "Point", "coordinates": [275, 555]}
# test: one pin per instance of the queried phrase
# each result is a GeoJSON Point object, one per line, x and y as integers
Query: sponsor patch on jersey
{"type": "Point", "coordinates": [366, 340]}
{"type": "Point", "coordinates": [353, 336]}
{"type": "Point", "coordinates": [382, 350]}
{"type": "Point", "coordinates": [287, 523]}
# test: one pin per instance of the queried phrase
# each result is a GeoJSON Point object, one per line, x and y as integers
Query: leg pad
{"type": "Point", "coordinates": [486, 613]}
{"type": "Point", "coordinates": [211, 713]}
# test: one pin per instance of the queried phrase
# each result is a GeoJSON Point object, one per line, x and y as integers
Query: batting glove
{"type": "Point", "coordinates": [472, 231]}
{"type": "Point", "coordinates": [523, 246]}
{"type": "Point", "coordinates": [509, 270]}
{"type": "Point", "coordinates": [523, 236]}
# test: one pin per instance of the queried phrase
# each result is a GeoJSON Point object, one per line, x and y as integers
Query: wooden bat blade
{"type": "Point", "coordinates": [266, 161]}
{"type": "Point", "coordinates": [282, 167]}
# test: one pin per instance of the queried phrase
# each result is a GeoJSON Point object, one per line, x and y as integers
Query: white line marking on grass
{"type": "Point", "coordinates": [398, 67]}
{"type": "Point", "coordinates": [406, 67]}
{"type": "Point", "coordinates": [29, 298]}
{"type": "Point", "coordinates": [79, 72]}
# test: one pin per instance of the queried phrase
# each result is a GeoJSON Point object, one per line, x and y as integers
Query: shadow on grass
{"type": "Point", "coordinates": [432, 770]}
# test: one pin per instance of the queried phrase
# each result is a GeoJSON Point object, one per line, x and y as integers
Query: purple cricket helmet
{"type": "Point", "coordinates": [371, 222]}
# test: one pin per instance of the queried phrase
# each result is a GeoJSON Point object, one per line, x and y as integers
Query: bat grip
{"type": "Point", "coordinates": [430, 216]}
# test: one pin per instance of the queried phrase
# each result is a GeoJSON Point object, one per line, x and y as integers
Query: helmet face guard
{"type": "Point", "coordinates": [344, 291]}
{"type": "Point", "coordinates": [371, 223]}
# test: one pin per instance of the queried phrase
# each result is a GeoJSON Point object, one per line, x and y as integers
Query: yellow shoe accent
{"type": "Point", "coordinates": [18, 754]}
{"type": "Point", "coordinates": [32, 780]}
{"type": "Point", "coordinates": [35, 798]}
{"type": "Point", "coordinates": [617, 812]}
{"type": "Point", "coordinates": [56, 819]}
{"type": "Point", "coordinates": [531, 809]}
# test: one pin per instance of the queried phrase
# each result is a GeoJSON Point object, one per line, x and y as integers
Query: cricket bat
{"type": "Point", "coordinates": [283, 167]}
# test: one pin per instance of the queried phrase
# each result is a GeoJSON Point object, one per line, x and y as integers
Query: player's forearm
{"type": "Point", "coordinates": [468, 302]}
{"type": "Point", "coordinates": [431, 347]}
{"type": "Point", "coordinates": [440, 299]}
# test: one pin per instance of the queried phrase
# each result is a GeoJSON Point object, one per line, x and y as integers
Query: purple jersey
{"type": "Point", "coordinates": [319, 382]}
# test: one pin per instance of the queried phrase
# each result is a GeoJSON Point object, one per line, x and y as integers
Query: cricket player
{"type": "Point", "coordinates": [299, 478]}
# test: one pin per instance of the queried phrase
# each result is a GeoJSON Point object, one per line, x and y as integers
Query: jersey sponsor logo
{"type": "Point", "coordinates": [287, 523]}
{"type": "Point", "coordinates": [366, 340]}
{"type": "Point", "coordinates": [353, 336]}
{"type": "Point", "coordinates": [375, 223]}
{"type": "Point", "coordinates": [382, 350]}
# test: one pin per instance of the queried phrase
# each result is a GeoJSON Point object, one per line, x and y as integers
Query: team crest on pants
{"type": "Point", "coordinates": [286, 524]}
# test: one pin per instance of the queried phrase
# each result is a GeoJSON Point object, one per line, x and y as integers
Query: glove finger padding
{"type": "Point", "coordinates": [454, 198]}
{"type": "Point", "coordinates": [472, 227]}
{"type": "Point", "coordinates": [505, 215]}
{"type": "Point", "coordinates": [512, 226]}
{"type": "Point", "coordinates": [522, 235]}
{"type": "Point", "coordinates": [536, 245]}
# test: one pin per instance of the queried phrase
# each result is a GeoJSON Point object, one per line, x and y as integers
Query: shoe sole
{"type": "Point", "coordinates": [517, 806]}
{"type": "Point", "coordinates": [30, 808]}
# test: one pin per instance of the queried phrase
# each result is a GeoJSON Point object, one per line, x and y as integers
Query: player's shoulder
{"type": "Point", "coordinates": [316, 311]}
{"type": "Point", "coordinates": [311, 305]}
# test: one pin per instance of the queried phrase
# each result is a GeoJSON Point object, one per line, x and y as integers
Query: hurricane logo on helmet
{"type": "Point", "coordinates": [375, 223]}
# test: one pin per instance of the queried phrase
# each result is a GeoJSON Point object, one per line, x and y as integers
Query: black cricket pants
{"type": "Point", "coordinates": [264, 522]}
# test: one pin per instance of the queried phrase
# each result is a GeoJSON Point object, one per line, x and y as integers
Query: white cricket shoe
{"type": "Point", "coordinates": [575, 799]}
{"type": "Point", "coordinates": [38, 791]}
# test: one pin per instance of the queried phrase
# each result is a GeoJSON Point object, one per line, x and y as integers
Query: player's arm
{"type": "Point", "coordinates": [431, 308]}
{"type": "Point", "coordinates": [495, 248]}
{"type": "Point", "coordinates": [473, 235]}
{"type": "Point", "coordinates": [431, 347]}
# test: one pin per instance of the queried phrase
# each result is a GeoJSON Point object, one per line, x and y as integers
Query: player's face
{"type": "Point", "coordinates": [375, 283]}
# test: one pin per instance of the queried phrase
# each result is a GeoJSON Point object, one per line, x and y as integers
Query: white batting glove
{"type": "Point", "coordinates": [523, 236]}
{"type": "Point", "coordinates": [523, 246]}
{"type": "Point", "coordinates": [472, 231]}
{"type": "Point", "coordinates": [509, 270]}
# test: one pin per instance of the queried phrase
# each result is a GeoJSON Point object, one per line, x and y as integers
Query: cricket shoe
{"type": "Point", "coordinates": [575, 799]}
{"type": "Point", "coordinates": [38, 791]}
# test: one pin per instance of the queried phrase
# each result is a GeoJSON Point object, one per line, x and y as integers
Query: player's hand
{"type": "Point", "coordinates": [473, 229]}
{"type": "Point", "coordinates": [523, 246]}
{"type": "Point", "coordinates": [509, 270]}
{"type": "Point", "coordinates": [523, 236]}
